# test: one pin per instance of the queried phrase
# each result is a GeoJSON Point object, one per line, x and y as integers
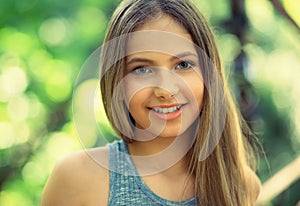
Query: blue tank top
{"type": "Point", "coordinates": [127, 187]}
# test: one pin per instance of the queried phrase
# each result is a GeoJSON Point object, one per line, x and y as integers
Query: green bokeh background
{"type": "Point", "coordinates": [44, 43]}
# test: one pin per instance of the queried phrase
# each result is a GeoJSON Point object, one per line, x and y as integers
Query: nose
{"type": "Point", "coordinates": [167, 85]}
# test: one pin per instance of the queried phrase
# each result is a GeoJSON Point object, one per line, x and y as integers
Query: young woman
{"type": "Point", "coordinates": [164, 92]}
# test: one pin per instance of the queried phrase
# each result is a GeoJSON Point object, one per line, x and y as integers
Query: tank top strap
{"type": "Point", "coordinates": [119, 159]}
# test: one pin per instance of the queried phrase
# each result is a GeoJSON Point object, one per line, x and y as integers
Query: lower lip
{"type": "Point", "coordinates": [168, 116]}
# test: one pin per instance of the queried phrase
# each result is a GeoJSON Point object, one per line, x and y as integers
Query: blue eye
{"type": "Point", "coordinates": [141, 70]}
{"type": "Point", "coordinates": [184, 65]}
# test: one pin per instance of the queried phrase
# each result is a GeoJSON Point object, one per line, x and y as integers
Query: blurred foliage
{"type": "Point", "coordinates": [43, 45]}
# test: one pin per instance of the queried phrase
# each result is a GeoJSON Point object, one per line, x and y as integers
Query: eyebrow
{"type": "Point", "coordinates": [140, 60]}
{"type": "Point", "coordinates": [184, 54]}
{"type": "Point", "coordinates": [145, 60]}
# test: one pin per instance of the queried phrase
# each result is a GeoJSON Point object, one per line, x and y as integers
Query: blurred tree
{"type": "Point", "coordinates": [281, 9]}
{"type": "Point", "coordinates": [44, 43]}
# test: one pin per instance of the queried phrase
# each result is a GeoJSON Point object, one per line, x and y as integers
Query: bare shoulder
{"type": "Point", "coordinates": [81, 178]}
{"type": "Point", "coordinates": [254, 184]}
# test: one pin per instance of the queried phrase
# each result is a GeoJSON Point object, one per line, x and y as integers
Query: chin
{"type": "Point", "coordinates": [171, 133]}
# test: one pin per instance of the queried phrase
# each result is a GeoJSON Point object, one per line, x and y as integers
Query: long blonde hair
{"type": "Point", "coordinates": [220, 179]}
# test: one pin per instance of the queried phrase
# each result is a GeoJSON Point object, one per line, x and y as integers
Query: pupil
{"type": "Point", "coordinates": [184, 64]}
{"type": "Point", "coordinates": [142, 69]}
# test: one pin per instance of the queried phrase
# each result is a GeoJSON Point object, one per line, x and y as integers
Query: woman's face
{"type": "Point", "coordinates": [163, 83]}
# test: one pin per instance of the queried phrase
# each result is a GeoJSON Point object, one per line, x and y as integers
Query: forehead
{"type": "Point", "coordinates": [162, 34]}
{"type": "Point", "coordinates": [164, 22]}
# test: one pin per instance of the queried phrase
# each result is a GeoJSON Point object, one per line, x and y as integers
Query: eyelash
{"type": "Point", "coordinates": [190, 65]}
{"type": "Point", "coordinates": [137, 70]}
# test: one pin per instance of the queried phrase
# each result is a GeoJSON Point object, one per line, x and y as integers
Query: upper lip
{"type": "Point", "coordinates": [166, 105]}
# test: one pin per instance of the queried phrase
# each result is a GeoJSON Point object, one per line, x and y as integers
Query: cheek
{"type": "Point", "coordinates": [134, 88]}
{"type": "Point", "coordinates": [199, 93]}
{"type": "Point", "coordinates": [137, 102]}
{"type": "Point", "coordinates": [137, 106]}
{"type": "Point", "coordinates": [196, 87]}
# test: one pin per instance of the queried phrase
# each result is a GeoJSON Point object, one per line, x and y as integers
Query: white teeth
{"type": "Point", "coordinates": [167, 110]}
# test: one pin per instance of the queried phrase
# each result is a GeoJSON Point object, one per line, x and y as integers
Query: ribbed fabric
{"type": "Point", "coordinates": [127, 187]}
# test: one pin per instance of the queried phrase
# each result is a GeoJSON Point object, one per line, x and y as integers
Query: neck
{"type": "Point", "coordinates": [150, 147]}
{"type": "Point", "coordinates": [162, 154]}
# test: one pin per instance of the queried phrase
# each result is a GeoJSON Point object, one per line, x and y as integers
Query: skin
{"type": "Point", "coordinates": [77, 180]}
{"type": "Point", "coordinates": [80, 180]}
{"type": "Point", "coordinates": [172, 84]}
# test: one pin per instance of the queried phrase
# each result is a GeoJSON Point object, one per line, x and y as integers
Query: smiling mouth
{"type": "Point", "coordinates": [166, 110]}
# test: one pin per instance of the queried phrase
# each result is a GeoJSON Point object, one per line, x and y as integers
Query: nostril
{"type": "Point", "coordinates": [165, 93]}
{"type": "Point", "coordinates": [166, 84]}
